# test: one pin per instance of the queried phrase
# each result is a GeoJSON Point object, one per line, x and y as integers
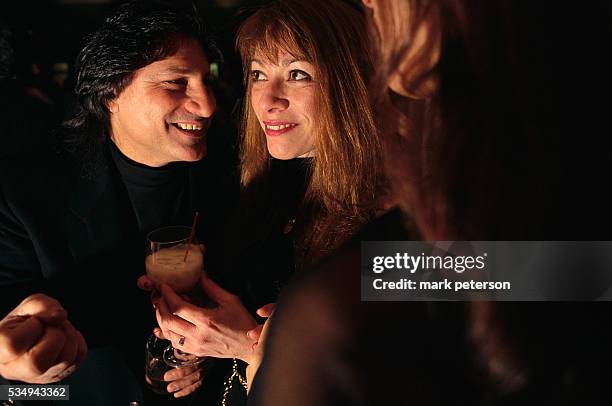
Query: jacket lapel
{"type": "Point", "coordinates": [98, 215]}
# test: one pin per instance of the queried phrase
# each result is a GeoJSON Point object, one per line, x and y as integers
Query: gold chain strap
{"type": "Point", "coordinates": [229, 382]}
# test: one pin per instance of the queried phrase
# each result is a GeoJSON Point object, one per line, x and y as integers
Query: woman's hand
{"type": "Point", "coordinates": [259, 333]}
{"type": "Point", "coordinates": [220, 332]}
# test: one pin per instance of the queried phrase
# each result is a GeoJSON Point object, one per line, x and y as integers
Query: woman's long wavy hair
{"type": "Point", "coordinates": [344, 174]}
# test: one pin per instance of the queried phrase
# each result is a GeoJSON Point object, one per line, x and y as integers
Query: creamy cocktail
{"type": "Point", "coordinates": [174, 257]}
{"type": "Point", "coordinates": [170, 266]}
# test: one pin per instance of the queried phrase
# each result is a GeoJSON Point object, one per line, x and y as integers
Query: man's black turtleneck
{"type": "Point", "coordinates": [160, 196]}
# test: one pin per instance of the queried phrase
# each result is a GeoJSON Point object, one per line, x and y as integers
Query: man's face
{"type": "Point", "coordinates": [164, 113]}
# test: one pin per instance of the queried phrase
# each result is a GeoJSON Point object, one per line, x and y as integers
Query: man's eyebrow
{"type": "Point", "coordinates": [179, 70]}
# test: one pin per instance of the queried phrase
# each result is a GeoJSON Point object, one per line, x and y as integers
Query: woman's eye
{"type": "Point", "coordinates": [299, 75]}
{"type": "Point", "coordinates": [257, 76]}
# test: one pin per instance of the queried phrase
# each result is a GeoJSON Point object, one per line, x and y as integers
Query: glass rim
{"type": "Point", "coordinates": [187, 228]}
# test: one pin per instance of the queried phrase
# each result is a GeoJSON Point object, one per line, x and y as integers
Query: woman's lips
{"type": "Point", "coordinates": [275, 128]}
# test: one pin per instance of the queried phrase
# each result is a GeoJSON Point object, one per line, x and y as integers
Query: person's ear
{"type": "Point", "coordinates": [367, 3]}
{"type": "Point", "coordinates": [112, 106]}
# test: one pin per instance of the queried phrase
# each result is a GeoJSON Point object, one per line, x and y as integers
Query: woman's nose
{"type": "Point", "coordinates": [273, 98]}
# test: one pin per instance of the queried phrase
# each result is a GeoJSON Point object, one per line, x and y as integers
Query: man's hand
{"type": "Point", "coordinates": [37, 342]}
{"type": "Point", "coordinates": [183, 381]}
{"type": "Point", "coordinates": [220, 332]}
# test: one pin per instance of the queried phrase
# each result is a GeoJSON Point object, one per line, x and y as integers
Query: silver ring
{"type": "Point", "coordinates": [182, 341]}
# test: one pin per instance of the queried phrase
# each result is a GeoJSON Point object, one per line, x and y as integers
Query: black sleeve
{"type": "Point", "coordinates": [20, 273]}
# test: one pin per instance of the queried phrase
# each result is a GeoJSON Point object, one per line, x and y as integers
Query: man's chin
{"type": "Point", "coordinates": [191, 154]}
{"type": "Point", "coordinates": [198, 153]}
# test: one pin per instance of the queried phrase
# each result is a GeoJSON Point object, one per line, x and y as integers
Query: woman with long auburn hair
{"type": "Point", "coordinates": [310, 170]}
{"type": "Point", "coordinates": [325, 42]}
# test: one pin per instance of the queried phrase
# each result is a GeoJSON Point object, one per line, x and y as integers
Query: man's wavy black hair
{"type": "Point", "coordinates": [139, 33]}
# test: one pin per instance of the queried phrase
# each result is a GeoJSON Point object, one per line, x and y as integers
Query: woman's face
{"type": "Point", "coordinates": [283, 96]}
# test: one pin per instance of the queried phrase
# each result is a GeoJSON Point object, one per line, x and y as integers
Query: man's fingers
{"type": "Point", "coordinates": [82, 350]}
{"type": "Point", "coordinates": [64, 373]}
{"type": "Point", "coordinates": [177, 373]}
{"type": "Point", "coordinates": [71, 356]}
{"type": "Point", "coordinates": [183, 380]}
{"type": "Point", "coordinates": [188, 390]}
{"type": "Point", "coordinates": [45, 353]}
{"type": "Point", "coordinates": [159, 333]}
{"type": "Point", "coordinates": [55, 373]}
{"type": "Point", "coordinates": [18, 337]}
{"type": "Point", "coordinates": [70, 351]}
{"type": "Point", "coordinates": [42, 306]}
{"type": "Point", "coordinates": [267, 310]}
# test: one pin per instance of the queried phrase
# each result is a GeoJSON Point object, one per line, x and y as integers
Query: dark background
{"type": "Point", "coordinates": [48, 34]}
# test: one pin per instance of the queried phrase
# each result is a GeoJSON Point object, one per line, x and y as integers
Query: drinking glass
{"type": "Point", "coordinates": [174, 257]}
{"type": "Point", "coordinates": [155, 365]}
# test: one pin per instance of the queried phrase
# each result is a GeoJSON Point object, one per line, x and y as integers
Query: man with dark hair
{"type": "Point", "coordinates": [73, 221]}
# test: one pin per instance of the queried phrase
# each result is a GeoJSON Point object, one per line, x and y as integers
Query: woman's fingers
{"type": "Point", "coordinates": [255, 333]}
{"type": "Point", "coordinates": [267, 310]}
{"type": "Point", "coordinates": [145, 283]}
{"type": "Point", "coordinates": [181, 333]}
{"type": "Point", "coordinates": [264, 311]}
{"type": "Point", "coordinates": [169, 322]}
{"type": "Point", "coordinates": [181, 308]}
